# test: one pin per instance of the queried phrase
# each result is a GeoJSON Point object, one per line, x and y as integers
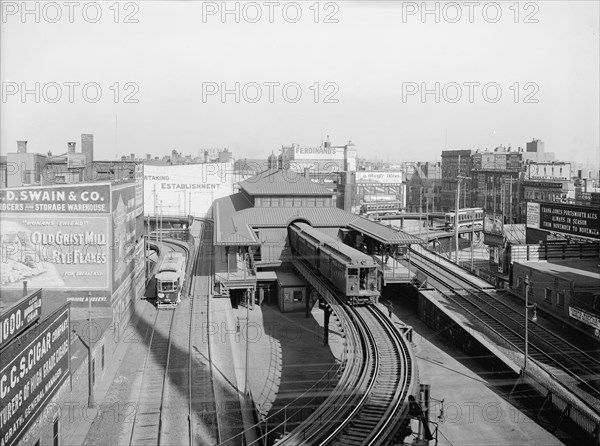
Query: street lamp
{"type": "Point", "coordinates": [533, 319]}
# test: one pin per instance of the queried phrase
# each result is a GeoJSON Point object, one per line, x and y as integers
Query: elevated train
{"type": "Point", "coordinates": [169, 279]}
{"type": "Point", "coordinates": [352, 273]}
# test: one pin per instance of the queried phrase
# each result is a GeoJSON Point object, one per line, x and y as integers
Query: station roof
{"type": "Point", "coordinates": [282, 182]}
{"type": "Point", "coordinates": [383, 234]}
{"type": "Point", "coordinates": [236, 220]}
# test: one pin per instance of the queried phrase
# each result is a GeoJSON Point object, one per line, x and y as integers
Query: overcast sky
{"type": "Point", "coordinates": [154, 72]}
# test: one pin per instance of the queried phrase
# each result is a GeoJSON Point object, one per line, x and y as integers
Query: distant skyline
{"type": "Point", "coordinates": [370, 61]}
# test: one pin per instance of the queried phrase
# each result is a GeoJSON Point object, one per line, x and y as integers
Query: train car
{"type": "Point", "coordinates": [169, 279]}
{"type": "Point", "coordinates": [381, 207]}
{"type": "Point", "coordinates": [351, 272]}
{"type": "Point", "coordinates": [466, 217]}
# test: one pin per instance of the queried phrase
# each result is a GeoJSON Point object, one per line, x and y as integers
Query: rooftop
{"type": "Point", "coordinates": [236, 220]}
{"type": "Point", "coordinates": [282, 182]}
{"type": "Point", "coordinates": [583, 273]}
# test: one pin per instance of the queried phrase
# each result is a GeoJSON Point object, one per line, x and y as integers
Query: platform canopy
{"type": "Point", "coordinates": [383, 234]}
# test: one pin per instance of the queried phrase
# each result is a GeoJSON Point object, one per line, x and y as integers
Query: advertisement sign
{"type": "Point", "coordinates": [379, 177]}
{"type": "Point", "coordinates": [21, 315]}
{"type": "Point", "coordinates": [87, 199]}
{"type": "Point", "coordinates": [185, 190]}
{"type": "Point", "coordinates": [53, 251]}
{"type": "Point", "coordinates": [124, 232]}
{"type": "Point", "coordinates": [317, 153]}
{"type": "Point", "coordinates": [533, 215]}
{"type": "Point", "coordinates": [493, 224]}
{"type": "Point", "coordinates": [585, 317]}
{"type": "Point", "coordinates": [564, 219]}
{"type": "Point", "coordinates": [39, 365]}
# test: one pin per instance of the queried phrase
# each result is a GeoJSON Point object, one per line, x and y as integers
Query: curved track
{"type": "Point", "coordinates": [390, 377]}
{"type": "Point", "coordinates": [369, 402]}
{"type": "Point", "coordinates": [568, 363]}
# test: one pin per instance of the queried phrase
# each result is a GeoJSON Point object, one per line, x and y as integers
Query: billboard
{"type": "Point", "coordinates": [379, 177]}
{"type": "Point", "coordinates": [124, 232]}
{"type": "Point", "coordinates": [39, 365]}
{"type": "Point", "coordinates": [565, 219]}
{"type": "Point", "coordinates": [21, 315]}
{"type": "Point", "coordinates": [186, 189]}
{"type": "Point", "coordinates": [55, 251]}
{"type": "Point", "coordinates": [86, 199]}
{"type": "Point", "coordinates": [316, 153]}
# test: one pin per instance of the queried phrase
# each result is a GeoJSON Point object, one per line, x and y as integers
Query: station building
{"type": "Point", "coordinates": [251, 235]}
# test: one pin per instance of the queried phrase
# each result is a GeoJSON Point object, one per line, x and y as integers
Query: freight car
{"type": "Point", "coordinates": [169, 279]}
{"type": "Point", "coordinates": [352, 273]}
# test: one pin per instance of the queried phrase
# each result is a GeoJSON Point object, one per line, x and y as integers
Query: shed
{"type": "Point", "coordinates": [291, 292]}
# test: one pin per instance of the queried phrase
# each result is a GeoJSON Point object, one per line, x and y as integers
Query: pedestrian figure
{"type": "Point", "coordinates": [237, 325]}
{"type": "Point", "coordinates": [390, 308]}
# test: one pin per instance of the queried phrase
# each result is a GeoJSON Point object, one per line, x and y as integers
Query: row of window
{"type": "Point", "coordinates": [560, 296]}
{"type": "Point", "coordinates": [292, 201]}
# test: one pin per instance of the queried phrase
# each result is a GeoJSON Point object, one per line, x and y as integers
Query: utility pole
{"type": "Point", "coordinates": [459, 178]}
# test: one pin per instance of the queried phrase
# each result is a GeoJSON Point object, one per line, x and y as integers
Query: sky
{"type": "Point", "coordinates": [402, 80]}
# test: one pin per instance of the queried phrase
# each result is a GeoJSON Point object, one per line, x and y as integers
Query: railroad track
{"type": "Point", "coordinates": [547, 348]}
{"type": "Point", "coordinates": [382, 409]}
{"type": "Point", "coordinates": [202, 409]}
{"type": "Point", "coordinates": [147, 424]}
{"type": "Point", "coordinates": [369, 402]}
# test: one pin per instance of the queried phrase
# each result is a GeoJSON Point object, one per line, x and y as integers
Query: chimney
{"type": "Point", "coordinates": [71, 146]}
{"type": "Point", "coordinates": [132, 156]}
{"type": "Point", "coordinates": [206, 156]}
{"type": "Point", "coordinates": [22, 146]}
{"type": "Point", "coordinates": [87, 147]}
{"type": "Point", "coordinates": [306, 172]}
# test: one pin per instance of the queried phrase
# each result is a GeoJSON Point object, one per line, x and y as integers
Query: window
{"type": "Point", "coordinates": [297, 296]}
{"type": "Point", "coordinates": [548, 295]}
{"type": "Point", "coordinates": [560, 300]}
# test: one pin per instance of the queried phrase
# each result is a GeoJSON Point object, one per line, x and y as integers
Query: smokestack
{"type": "Point", "coordinates": [132, 156]}
{"type": "Point", "coordinates": [71, 147]}
{"type": "Point", "coordinates": [22, 146]}
{"type": "Point", "coordinates": [148, 157]}
{"type": "Point", "coordinates": [87, 147]}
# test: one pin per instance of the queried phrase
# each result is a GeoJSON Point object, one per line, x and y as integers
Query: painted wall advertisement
{"type": "Point", "coordinates": [56, 237]}
{"type": "Point", "coordinates": [379, 177]}
{"type": "Point", "coordinates": [21, 315]}
{"type": "Point", "coordinates": [565, 219]}
{"type": "Point", "coordinates": [316, 153]}
{"type": "Point", "coordinates": [187, 189]}
{"type": "Point", "coordinates": [124, 233]}
{"type": "Point", "coordinates": [39, 365]}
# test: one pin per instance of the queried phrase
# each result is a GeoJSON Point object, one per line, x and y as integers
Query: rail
{"type": "Point", "coordinates": [378, 376]}
{"type": "Point", "coordinates": [587, 414]}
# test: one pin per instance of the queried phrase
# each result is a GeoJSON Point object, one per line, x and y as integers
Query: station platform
{"type": "Point", "coordinates": [472, 413]}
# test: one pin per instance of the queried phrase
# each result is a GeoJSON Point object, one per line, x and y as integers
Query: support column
{"type": "Point", "coordinates": [326, 326]}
